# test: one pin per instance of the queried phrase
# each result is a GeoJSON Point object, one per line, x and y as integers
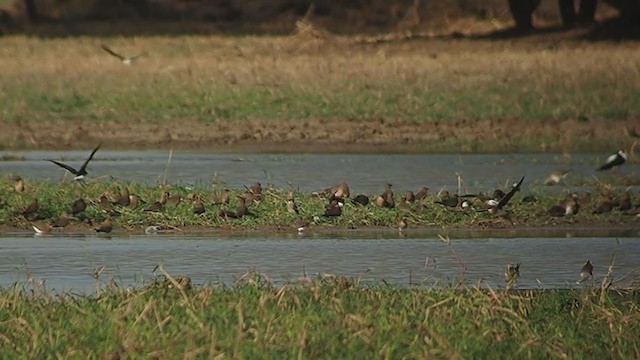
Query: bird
{"type": "Point", "coordinates": [198, 208]}
{"type": "Point", "coordinates": [301, 223]}
{"type": "Point", "coordinates": [105, 227]}
{"type": "Point", "coordinates": [556, 177]}
{"type": "Point", "coordinates": [447, 200]}
{"type": "Point", "coordinates": [616, 159]}
{"type": "Point", "coordinates": [569, 206]}
{"type": "Point", "coordinates": [61, 221]}
{"type": "Point", "coordinates": [78, 206]}
{"type": "Point", "coordinates": [82, 171]}
{"type": "Point", "coordinates": [123, 198]}
{"type": "Point", "coordinates": [256, 191]}
{"type": "Point", "coordinates": [402, 224]}
{"type": "Point", "coordinates": [334, 208]}
{"type": "Point", "coordinates": [624, 202]}
{"type": "Point", "coordinates": [605, 204]}
{"type": "Point", "coordinates": [155, 207]}
{"type": "Point", "coordinates": [498, 208]}
{"type": "Point", "coordinates": [421, 193]}
{"type": "Point", "coordinates": [292, 208]}
{"type": "Point", "coordinates": [134, 201]}
{"type": "Point", "coordinates": [222, 198]}
{"type": "Point", "coordinates": [44, 229]}
{"type": "Point", "coordinates": [19, 185]}
{"type": "Point", "coordinates": [170, 200]}
{"type": "Point", "coordinates": [585, 272]}
{"type": "Point", "coordinates": [127, 60]}
{"type": "Point", "coordinates": [511, 274]}
{"type": "Point", "coordinates": [31, 209]}
{"type": "Point", "coordinates": [240, 211]}
{"type": "Point", "coordinates": [360, 199]}
{"type": "Point", "coordinates": [410, 197]}
{"type": "Point", "coordinates": [386, 198]}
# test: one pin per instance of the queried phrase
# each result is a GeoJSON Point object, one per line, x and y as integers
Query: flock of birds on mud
{"type": "Point", "coordinates": [336, 195]}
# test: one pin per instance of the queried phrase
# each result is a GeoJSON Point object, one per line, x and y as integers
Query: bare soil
{"type": "Point", "coordinates": [325, 135]}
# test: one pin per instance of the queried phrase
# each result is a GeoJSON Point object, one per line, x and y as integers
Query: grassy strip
{"type": "Point", "coordinates": [327, 318]}
{"type": "Point", "coordinates": [271, 211]}
{"type": "Point", "coordinates": [217, 78]}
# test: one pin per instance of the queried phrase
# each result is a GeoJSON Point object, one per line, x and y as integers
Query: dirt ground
{"type": "Point", "coordinates": [322, 135]}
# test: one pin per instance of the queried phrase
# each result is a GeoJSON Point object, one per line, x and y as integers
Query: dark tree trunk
{"type": "Point", "coordinates": [521, 10]}
{"type": "Point", "coordinates": [567, 12]}
{"type": "Point", "coordinates": [32, 13]}
{"type": "Point", "coordinates": [587, 10]}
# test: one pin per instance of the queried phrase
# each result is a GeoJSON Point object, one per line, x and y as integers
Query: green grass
{"type": "Point", "coordinates": [273, 78]}
{"type": "Point", "coordinates": [270, 213]}
{"type": "Point", "coordinates": [334, 318]}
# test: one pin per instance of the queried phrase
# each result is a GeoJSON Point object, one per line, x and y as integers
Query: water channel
{"type": "Point", "coordinates": [550, 258]}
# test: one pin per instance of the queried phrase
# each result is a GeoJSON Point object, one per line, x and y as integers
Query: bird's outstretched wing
{"type": "Point", "coordinates": [113, 53]}
{"type": "Point", "coordinates": [510, 194]}
{"type": "Point", "coordinates": [65, 166]}
{"type": "Point", "coordinates": [84, 166]}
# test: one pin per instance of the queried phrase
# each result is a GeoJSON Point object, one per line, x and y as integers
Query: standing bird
{"type": "Point", "coordinates": [45, 229]}
{"type": "Point", "coordinates": [292, 208]}
{"type": "Point", "coordinates": [31, 209]}
{"type": "Point", "coordinates": [127, 60]}
{"type": "Point", "coordinates": [19, 185]}
{"type": "Point", "coordinates": [301, 223]}
{"type": "Point", "coordinates": [586, 272]}
{"type": "Point", "coordinates": [80, 173]}
{"type": "Point", "coordinates": [616, 159]}
{"type": "Point", "coordinates": [511, 274]}
{"type": "Point", "coordinates": [360, 199]}
{"type": "Point", "coordinates": [421, 193]}
{"type": "Point", "coordinates": [402, 224]}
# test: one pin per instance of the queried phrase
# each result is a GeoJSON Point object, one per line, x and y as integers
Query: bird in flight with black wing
{"type": "Point", "coordinates": [82, 171]}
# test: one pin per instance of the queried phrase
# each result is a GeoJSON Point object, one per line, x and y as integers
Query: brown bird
{"type": "Point", "coordinates": [19, 185]}
{"type": "Point", "coordinates": [447, 200]}
{"type": "Point", "coordinates": [31, 209]}
{"type": "Point", "coordinates": [301, 223]}
{"type": "Point", "coordinates": [44, 229]}
{"type": "Point", "coordinates": [222, 198]}
{"type": "Point", "coordinates": [122, 199]}
{"type": "Point", "coordinates": [624, 202]}
{"type": "Point", "coordinates": [556, 177]}
{"type": "Point", "coordinates": [605, 204]}
{"type": "Point", "coordinates": [402, 224]}
{"type": "Point", "coordinates": [569, 206]}
{"type": "Point", "coordinates": [410, 197]}
{"type": "Point", "coordinates": [292, 208]}
{"type": "Point", "coordinates": [256, 191]}
{"type": "Point", "coordinates": [170, 200]}
{"type": "Point", "coordinates": [155, 207]}
{"type": "Point", "coordinates": [61, 221]}
{"type": "Point", "coordinates": [105, 227]}
{"type": "Point", "coordinates": [334, 208]}
{"type": "Point", "coordinates": [511, 274]}
{"type": "Point", "coordinates": [198, 208]}
{"type": "Point", "coordinates": [105, 204]}
{"type": "Point", "coordinates": [340, 191]}
{"type": "Point", "coordinates": [241, 210]}
{"type": "Point", "coordinates": [78, 206]}
{"type": "Point", "coordinates": [421, 193]}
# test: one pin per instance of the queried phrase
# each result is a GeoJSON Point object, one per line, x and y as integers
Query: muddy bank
{"type": "Point", "coordinates": [328, 135]}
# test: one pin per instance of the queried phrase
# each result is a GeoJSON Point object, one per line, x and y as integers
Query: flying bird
{"type": "Point", "coordinates": [505, 199]}
{"type": "Point", "coordinates": [616, 159]}
{"type": "Point", "coordinates": [82, 171]}
{"type": "Point", "coordinates": [127, 60]}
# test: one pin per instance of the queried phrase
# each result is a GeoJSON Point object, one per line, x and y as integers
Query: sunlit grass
{"type": "Point", "coordinates": [217, 78]}
{"type": "Point", "coordinates": [324, 317]}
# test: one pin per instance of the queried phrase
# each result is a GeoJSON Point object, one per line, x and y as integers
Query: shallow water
{"type": "Point", "coordinates": [66, 263]}
{"type": "Point", "coordinates": [309, 172]}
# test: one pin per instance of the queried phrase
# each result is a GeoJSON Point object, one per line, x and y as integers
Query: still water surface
{"type": "Point", "coordinates": [66, 263]}
{"type": "Point", "coordinates": [309, 172]}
